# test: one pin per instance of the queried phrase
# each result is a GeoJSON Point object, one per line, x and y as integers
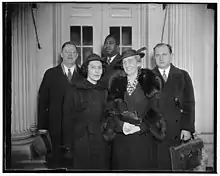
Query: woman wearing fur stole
{"type": "Point", "coordinates": [134, 125]}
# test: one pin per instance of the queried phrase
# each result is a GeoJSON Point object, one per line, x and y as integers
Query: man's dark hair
{"type": "Point", "coordinates": [163, 44]}
{"type": "Point", "coordinates": [112, 36]}
{"type": "Point", "coordinates": [69, 43]}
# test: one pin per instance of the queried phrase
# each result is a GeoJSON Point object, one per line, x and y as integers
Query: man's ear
{"type": "Point", "coordinates": [61, 55]}
{"type": "Point", "coordinates": [171, 57]}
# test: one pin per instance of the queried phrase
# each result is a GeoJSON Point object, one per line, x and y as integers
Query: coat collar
{"type": "Point", "coordinates": [115, 60]}
{"type": "Point", "coordinates": [149, 82]}
{"type": "Point", "coordinates": [76, 73]}
{"type": "Point", "coordinates": [173, 80]}
{"type": "Point", "coordinates": [173, 70]}
{"type": "Point", "coordinates": [83, 83]}
{"type": "Point", "coordinates": [173, 73]}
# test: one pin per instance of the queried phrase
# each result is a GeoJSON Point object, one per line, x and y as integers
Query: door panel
{"type": "Point", "coordinates": [123, 16]}
{"type": "Point", "coordinates": [88, 25]}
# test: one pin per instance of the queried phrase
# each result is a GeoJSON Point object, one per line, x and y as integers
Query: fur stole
{"type": "Point", "coordinates": [149, 82]}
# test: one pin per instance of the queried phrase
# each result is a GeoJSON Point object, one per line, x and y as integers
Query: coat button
{"type": "Point", "coordinates": [177, 121]}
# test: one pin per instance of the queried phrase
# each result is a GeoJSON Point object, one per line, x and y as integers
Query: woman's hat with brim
{"type": "Point", "coordinates": [93, 57]}
{"type": "Point", "coordinates": [131, 52]}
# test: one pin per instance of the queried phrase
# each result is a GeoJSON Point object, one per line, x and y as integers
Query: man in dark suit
{"type": "Point", "coordinates": [177, 103]}
{"type": "Point", "coordinates": [111, 57]}
{"type": "Point", "coordinates": [55, 82]}
{"type": "Point", "coordinates": [110, 50]}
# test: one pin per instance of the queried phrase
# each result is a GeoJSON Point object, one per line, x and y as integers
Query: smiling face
{"type": "Point", "coordinates": [162, 56]}
{"type": "Point", "coordinates": [94, 71]}
{"type": "Point", "coordinates": [131, 64]}
{"type": "Point", "coordinates": [69, 55]}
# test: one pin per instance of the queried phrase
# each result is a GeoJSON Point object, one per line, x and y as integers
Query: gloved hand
{"type": "Point", "coordinates": [130, 128]}
{"type": "Point", "coordinates": [66, 157]}
{"type": "Point", "coordinates": [130, 117]}
{"type": "Point", "coordinates": [143, 128]}
{"type": "Point", "coordinates": [68, 153]}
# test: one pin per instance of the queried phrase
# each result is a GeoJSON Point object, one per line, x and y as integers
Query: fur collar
{"type": "Point", "coordinates": [150, 83]}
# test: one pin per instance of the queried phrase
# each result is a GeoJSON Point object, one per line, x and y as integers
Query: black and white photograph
{"type": "Point", "coordinates": [109, 87]}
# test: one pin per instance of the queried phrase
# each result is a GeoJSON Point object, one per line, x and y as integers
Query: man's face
{"type": "Point", "coordinates": [110, 46]}
{"type": "Point", "coordinates": [69, 55]}
{"type": "Point", "coordinates": [95, 70]}
{"type": "Point", "coordinates": [130, 65]}
{"type": "Point", "coordinates": [162, 56]}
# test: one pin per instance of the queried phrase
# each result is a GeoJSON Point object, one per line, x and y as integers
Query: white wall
{"type": "Point", "coordinates": [44, 25]}
{"type": "Point", "coordinates": [204, 68]}
{"type": "Point", "coordinates": [156, 16]}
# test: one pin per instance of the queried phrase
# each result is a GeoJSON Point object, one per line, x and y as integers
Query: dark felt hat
{"type": "Point", "coordinates": [128, 53]}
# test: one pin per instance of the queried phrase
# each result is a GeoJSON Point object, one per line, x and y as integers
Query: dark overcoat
{"type": "Point", "coordinates": [136, 151]}
{"type": "Point", "coordinates": [177, 105]}
{"type": "Point", "coordinates": [83, 115]}
{"type": "Point", "coordinates": [50, 103]}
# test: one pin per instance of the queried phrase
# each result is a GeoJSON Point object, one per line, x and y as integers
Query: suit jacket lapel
{"type": "Point", "coordinates": [173, 82]}
{"type": "Point", "coordinates": [115, 60]}
{"type": "Point", "coordinates": [64, 76]}
{"type": "Point", "coordinates": [169, 85]}
{"type": "Point", "coordinates": [157, 72]}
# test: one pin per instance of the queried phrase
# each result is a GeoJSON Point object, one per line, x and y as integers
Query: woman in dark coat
{"type": "Point", "coordinates": [83, 115]}
{"type": "Point", "coordinates": [135, 95]}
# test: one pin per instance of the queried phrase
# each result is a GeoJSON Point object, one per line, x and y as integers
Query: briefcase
{"type": "Point", "coordinates": [187, 156]}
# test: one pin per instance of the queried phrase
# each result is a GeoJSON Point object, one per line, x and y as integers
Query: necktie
{"type": "Point", "coordinates": [108, 60]}
{"type": "Point", "coordinates": [69, 75]}
{"type": "Point", "coordinates": [164, 76]}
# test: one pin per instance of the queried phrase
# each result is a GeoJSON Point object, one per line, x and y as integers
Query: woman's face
{"type": "Point", "coordinates": [130, 65]}
{"type": "Point", "coordinates": [94, 70]}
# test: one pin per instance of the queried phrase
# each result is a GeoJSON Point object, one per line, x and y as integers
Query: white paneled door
{"type": "Point", "coordinates": [88, 24]}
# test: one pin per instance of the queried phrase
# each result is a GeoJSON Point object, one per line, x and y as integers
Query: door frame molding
{"type": "Point", "coordinates": [142, 31]}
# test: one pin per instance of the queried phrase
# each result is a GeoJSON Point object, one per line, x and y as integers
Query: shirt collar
{"type": "Point", "coordinates": [167, 70]}
{"type": "Point", "coordinates": [112, 58]}
{"type": "Point", "coordinates": [65, 69]}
